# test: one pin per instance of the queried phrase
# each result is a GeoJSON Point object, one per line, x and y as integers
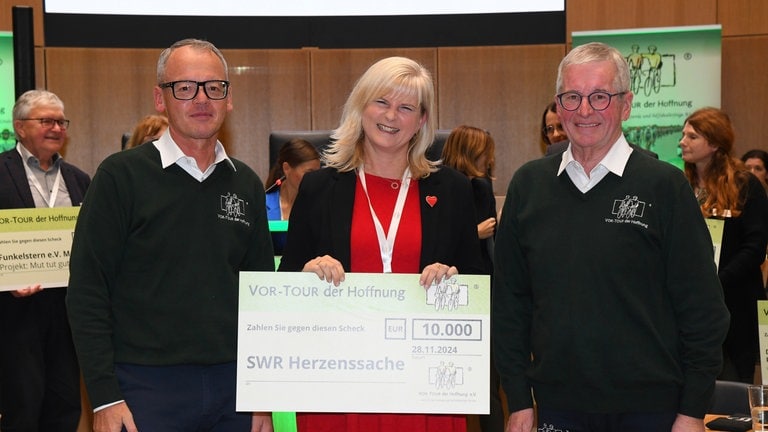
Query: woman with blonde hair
{"type": "Point", "coordinates": [727, 191]}
{"type": "Point", "coordinates": [380, 206]}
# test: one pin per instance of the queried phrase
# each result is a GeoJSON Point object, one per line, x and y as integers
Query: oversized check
{"type": "Point", "coordinates": [35, 245]}
{"type": "Point", "coordinates": [376, 343]}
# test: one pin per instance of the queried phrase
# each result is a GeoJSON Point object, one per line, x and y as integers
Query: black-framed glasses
{"type": "Point", "coordinates": [599, 100]}
{"type": "Point", "coordinates": [186, 90]}
{"type": "Point", "coordinates": [49, 122]}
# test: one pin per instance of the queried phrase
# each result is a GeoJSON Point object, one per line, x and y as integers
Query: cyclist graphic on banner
{"type": "Point", "coordinates": [646, 70]}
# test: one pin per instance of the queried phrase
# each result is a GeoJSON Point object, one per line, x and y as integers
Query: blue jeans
{"type": "Point", "coordinates": [184, 398]}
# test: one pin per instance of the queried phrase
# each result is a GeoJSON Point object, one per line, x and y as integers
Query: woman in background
{"type": "Point", "coordinates": [551, 130]}
{"type": "Point", "coordinates": [726, 190]}
{"type": "Point", "coordinates": [380, 206]}
{"type": "Point", "coordinates": [471, 151]}
{"type": "Point", "coordinates": [148, 129]}
{"type": "Point", "coordinates": [757, 162]}
{"type": "Point", "coordinates": [296, 158]}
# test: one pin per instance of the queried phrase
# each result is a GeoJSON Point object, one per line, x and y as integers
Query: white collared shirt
{"type": "Point", "coordinates": [170, 153]}
{"type": "Point", "coordinates": [614, 161]}
{"type": "Point", "coordinates": [43, 182]}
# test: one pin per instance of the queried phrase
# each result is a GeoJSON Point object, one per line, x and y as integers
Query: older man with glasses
{"type": "Point", "coordinates": [159, 244]}
{"type": "Point", "coordinates": [39, 375]}
{"type": "Point", "coordinates": [624, 331]}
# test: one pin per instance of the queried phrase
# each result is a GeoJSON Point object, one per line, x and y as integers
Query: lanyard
{"type": "Point", "coordinates": [51, 200]}
{"type": "Point", "coordinates": [387, 243]}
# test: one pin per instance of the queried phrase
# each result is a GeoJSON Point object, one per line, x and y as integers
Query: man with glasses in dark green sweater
{"type": "Point", "coordinates": [158, 247]}
{"type": "Point", "coordinates": [623, 332]}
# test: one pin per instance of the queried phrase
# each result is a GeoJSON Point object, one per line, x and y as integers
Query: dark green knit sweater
{"type": "Point", "coordinates": [614, 293]}
{"type": "Point", "coordinates": [155, 263]}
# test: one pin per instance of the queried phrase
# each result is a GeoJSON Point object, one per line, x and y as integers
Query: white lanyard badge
{"type": "Point", "coordinates": [387, 243]}
{"type": "Point", "coordinates": [51, 201]}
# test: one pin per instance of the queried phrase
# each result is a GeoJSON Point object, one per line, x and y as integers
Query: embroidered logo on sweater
{"type": "Point", "coordinates": [233, 209]}
{"type": "Point", "coordinates": [628, 210]}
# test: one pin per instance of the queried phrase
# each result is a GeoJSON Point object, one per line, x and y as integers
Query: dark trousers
{"type": "Point", "coordinates": [182, 398]}
{"type": "Point", "coordinates": [568, 421]}
{"type": "Point", "coordinates": [39, 374]}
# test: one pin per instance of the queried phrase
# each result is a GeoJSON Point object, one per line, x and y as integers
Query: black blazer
{"type": "Point", "coordinates": [15, 190]}
{"type": "Point", "coordinates": [485, 207]}
{"type": "Point", "coordinates": [743, 251]}
{"type": "Point", "coordinates": [321, 220]}
{"type": "Point", "coordinates": [560, 147]}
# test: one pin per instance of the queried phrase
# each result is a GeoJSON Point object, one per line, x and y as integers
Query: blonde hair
{"type": "Point", "coordinates": [393, 75]}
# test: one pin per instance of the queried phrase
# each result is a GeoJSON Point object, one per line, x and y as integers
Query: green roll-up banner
{"type": "Point", "coordinates": [7, 92]}
{"type": "Point", "coordinates": [673, 72]}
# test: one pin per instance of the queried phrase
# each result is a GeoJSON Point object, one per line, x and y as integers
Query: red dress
{"type": "Point", "coordinates": [365, 258]}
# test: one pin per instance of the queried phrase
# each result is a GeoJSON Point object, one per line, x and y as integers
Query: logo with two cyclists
{"type": "Point", "coordinates": [646, 70]}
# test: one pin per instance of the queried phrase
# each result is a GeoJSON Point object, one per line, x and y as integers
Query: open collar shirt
{"type": "Point", "coordinates": [43, 181]}
{"type": "Point", "coordinates": [170, 153]}
{"type": "Point", "coordinates": [614, 161]}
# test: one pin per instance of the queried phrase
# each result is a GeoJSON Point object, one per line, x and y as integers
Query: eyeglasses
{"type": "Point", "coordinates": [49, 122]}
{"type": "Point", "coordinates": [599, 100]}
{"type": "Point", "coordinates": [186, 90]}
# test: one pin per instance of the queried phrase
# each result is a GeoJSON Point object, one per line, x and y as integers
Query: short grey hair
{"type": "Point", "coordinates": [596, 52]}
{"type": "Point", "coordinates": [32, 99]}
{"type": "Point", "coordinates": [196, 44]}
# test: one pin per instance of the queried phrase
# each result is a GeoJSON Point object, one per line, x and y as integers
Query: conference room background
{"type": "Point", "coordinates": [501, 88]}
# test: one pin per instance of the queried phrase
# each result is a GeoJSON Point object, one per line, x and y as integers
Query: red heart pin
{"type": "Point", "coordinates": [431, 200]}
